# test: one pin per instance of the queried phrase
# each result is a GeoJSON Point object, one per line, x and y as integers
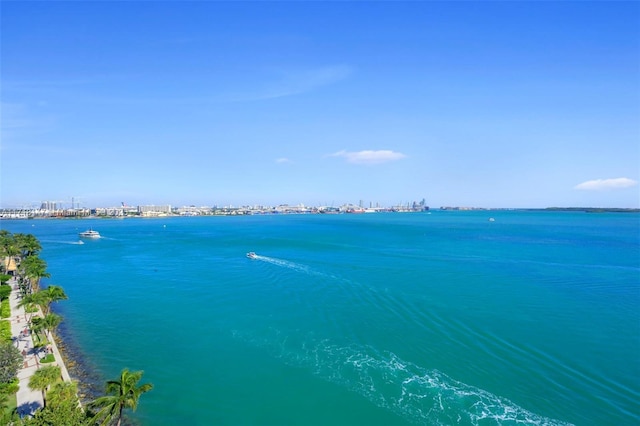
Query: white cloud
{"type": "Point", "coordinates": [605, 184]}
{"type": "Point", "coordinates": [369, 156]}
{"type": "Point", "coordinates": [283, 160]}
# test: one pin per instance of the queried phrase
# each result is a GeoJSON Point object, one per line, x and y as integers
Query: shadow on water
{"type": "Point", "coordinates": [90, 383]}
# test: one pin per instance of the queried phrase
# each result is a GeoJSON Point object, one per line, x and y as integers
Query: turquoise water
{"type": "Point", "coordinates": [376, 319]}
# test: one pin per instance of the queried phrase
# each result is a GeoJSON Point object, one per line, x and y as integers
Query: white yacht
{"type": "Point", "coordinates": [90, 233]}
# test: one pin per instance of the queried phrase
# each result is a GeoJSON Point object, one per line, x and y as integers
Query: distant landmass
{"type": "Point", "coordinates": [592, 209]}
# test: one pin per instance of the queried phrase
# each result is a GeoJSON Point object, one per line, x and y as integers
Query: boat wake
{"type": "Point", "coordinates": [289, 265]}
{"type": "Point", "coordinates": [418, 395]}
{"type": "Point", "coordinates": [79, 242]}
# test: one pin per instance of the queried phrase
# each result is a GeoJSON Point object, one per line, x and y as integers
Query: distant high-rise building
{"type": "Point", "coordinates": [48, 205]}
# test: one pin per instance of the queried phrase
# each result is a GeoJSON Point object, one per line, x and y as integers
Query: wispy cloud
{"type": "Point", "coordinates": [606, 184]}
{"type": "Point", "coordinates": [22, 119]}
{"type": "Point", "coordinates": [283, 160]}
{"type": "Point", "coordinates": [289, 83]}
{"type": "Point", "coordinates": [369, 156]}
{"type": "Point", "coordinates": [14, 116]}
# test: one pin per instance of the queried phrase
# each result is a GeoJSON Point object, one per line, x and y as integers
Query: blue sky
{"type": "Point", "coordinates": [488, 104]}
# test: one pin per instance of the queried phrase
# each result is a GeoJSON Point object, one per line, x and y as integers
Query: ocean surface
{"type": "Point", "coordinates": [371, 319]}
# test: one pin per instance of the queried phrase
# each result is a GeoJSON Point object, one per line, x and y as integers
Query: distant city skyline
{"type": "Point", "coordinates": [77, 204]}
{"type": "Point", "coordinates": [495, 105]}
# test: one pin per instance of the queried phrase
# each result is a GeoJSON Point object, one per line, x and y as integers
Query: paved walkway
{"type": "Point", "coordinates": [28, 400]}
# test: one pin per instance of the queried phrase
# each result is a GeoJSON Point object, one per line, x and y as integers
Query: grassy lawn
{"type": "Point", "coordinates": [5, 309]}
{"type": "Point", "coordinates": [48, 358]}
{"type": "Point", "coordinates": [5, 330]}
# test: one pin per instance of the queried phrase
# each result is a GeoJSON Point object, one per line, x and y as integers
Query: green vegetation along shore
{"type": "Point", "coordinates": [35, 387]}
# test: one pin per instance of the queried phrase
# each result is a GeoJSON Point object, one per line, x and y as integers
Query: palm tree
{"type": "Point", "coordinates": [43, 378]}
{"type": "Point", "coordinates": [31, 246]}
{"type": "Point", "coordinates": [63, 393]}
{"type": "Point", "coordinates": [34, 268]}
{"type": "Point", "coordinates": [50, 322]}
{"type": "Point", "coordinates": [53, 293]}
{"type": "Point", "coordinates": [6, 240]}
{"type": "Point", "coordinates": [28, 244]}
{"type": "Point", "coordinates": [28, 301]}
{"type": "Point", "coordinates": [10, 250]}
{"type": "Point", "coordinates": [63, 408]}
{"type": "Point", "coordinates": [37, 325]}
{"type": "Point", "coordinates": [121, 394]}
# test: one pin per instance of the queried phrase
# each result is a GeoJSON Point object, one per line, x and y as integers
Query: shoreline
{"type": "Point", "coordinates": [87, 378]}
{"type": "Point", "coordinates": [28, 400]}
{"type": "Point", "coordinates": [243, 213]}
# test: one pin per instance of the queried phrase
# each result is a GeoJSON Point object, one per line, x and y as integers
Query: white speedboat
{"type": "Point", "coordinates": [90, 233]}
{"type": "Point", "coordinates": [251, 255]}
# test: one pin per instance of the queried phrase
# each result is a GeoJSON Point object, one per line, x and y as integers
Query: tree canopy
{"type": "Point", "coordinates": [44, 377]}
{"type": "Point", "coordinates": [10, 362]}
{"type": "Point", "coordinates": [121, 393]}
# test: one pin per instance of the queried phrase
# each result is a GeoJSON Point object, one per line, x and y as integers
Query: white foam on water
{"type": "Point", "coordinates": [298, 267]}
{"type": "Point", "coordinates": [416, 394]}
{"type": "Point", "coordinates": [79, 242]}
{"type": "Point", "coordinates": [282, 263]}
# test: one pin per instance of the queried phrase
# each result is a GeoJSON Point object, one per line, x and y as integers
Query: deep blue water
{"type": "Point", "coordinates": [376, 319]}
